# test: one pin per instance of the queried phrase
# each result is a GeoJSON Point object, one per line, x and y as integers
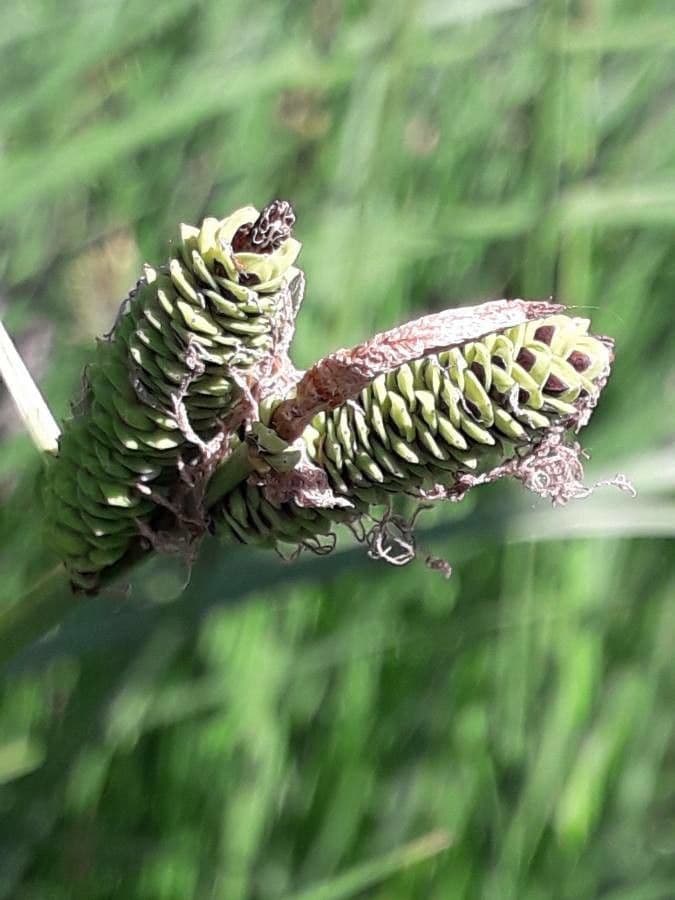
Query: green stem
{"type": "Point", "coordinates": [38, 611]}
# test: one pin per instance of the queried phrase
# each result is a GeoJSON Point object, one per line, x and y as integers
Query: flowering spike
{"type": "Point", "coordinates": [195, 378]}
{"type": "Point", "coordinates": [189, 341]}
{"type": "Point", "coordinates": [437, 426]}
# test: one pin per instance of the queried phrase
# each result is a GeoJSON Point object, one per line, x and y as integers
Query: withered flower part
{"type": "Point", "coordinates": [273, 226]}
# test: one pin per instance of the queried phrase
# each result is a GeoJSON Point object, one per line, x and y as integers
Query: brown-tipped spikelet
{"type": "Point", "coordinates": [165, 380]}
{"type": "Point", "coordinates": [434, 421]}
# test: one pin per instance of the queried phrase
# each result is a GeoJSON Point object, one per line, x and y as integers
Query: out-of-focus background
{"type": "Point", "coordinates": [336, 728]}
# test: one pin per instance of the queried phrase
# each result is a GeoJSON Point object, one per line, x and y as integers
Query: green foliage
{"type": "Point", "coordinates": [353, 730]}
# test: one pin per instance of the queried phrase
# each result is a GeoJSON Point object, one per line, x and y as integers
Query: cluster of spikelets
{"type": "Point", "coordinates": [164, 380]}
{"type": "Point", "coordinates": [205, 337]}
{"type": "Point", "coordinates": [425, 423]}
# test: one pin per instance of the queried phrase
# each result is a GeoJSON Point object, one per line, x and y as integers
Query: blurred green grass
{"type": "Point", "coordinates": [379, 733]}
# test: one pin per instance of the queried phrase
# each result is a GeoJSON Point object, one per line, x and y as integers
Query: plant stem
{"type": "Point", "coordinates": [38, 611]}
{"type": "Point", "coordinates": [29, 402]}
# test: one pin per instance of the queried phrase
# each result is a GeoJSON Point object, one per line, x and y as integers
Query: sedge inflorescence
{"type": "Point", "coordinates": [435, 423]}
{"type": "Point", "coordinates": [164, 382]}
{"type": "Point", "coordinates": [196, 369]}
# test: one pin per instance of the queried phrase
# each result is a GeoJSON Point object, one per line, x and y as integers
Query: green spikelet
{"type": "Point", "coordinates": [163, 381]}
{"type": "Point", "coordinates": [463, 410]}
{"type": "Point", "coordinates": [245, 516]}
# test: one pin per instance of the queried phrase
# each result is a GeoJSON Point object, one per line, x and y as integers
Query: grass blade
{"type": "Point", "coordinates": [368, 874]}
